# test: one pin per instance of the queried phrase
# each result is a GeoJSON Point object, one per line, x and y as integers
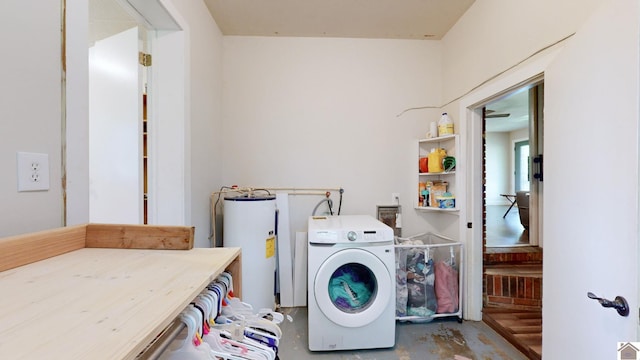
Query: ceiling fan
{"type": "Point", "coordinates": [490, 114]}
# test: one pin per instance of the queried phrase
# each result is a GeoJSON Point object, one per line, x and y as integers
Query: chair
{"type": "Point", "coordinates": [522, 199]}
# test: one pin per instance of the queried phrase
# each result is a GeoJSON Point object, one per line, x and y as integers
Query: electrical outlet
{"type": "Point", "coordinates": [395, 198]}
{"type": "Point", "coordinates": [33, 171]}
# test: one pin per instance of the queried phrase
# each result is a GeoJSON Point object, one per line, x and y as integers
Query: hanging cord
{"type": "Point", "coordinates": [340, 202]}
{"type": "Point", "coordinates": [491, 77]}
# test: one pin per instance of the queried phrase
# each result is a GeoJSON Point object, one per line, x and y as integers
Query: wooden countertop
{"type": "Point", "coordinates": [100, 303]}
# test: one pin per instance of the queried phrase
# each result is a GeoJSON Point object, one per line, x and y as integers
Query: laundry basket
{"type": "Point", "coordinates": [428, 277]}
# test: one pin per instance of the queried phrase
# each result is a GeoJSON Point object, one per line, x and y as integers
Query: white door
{"type": "Point", "coordinates": [591, 186]}
{"type": "Point", "coordinates": [115, 159]}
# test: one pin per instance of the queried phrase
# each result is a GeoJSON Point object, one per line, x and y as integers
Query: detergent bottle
{"type": "Point", "coordinates": [435, 160]}
{"type": "Point", "coordinates": [445, 125]}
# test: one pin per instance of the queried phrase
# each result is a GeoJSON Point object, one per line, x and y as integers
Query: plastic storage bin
{"type": "Point", "coordinates": [429, 270]}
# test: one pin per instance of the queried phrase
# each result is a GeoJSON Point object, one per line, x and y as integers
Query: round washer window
{"type": "Point", "coordinates": [382, 288]}
{"type": "Point", "coordinates": [352, 288]}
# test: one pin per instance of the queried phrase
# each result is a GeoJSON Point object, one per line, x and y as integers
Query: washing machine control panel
{"type": "Point", "coordinates": [348, 229]}
{"type": "Point", "coordinates": [366, 236]}
{"type": "Point", "coordinates": [332, 237]}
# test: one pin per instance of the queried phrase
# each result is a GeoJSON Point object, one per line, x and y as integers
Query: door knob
{"type": "Point", "coordinates": [620, 303]}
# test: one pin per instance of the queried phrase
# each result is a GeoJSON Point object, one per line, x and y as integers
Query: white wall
{"type": "Point", "coordinates": [77, 112]}
{"type": "Point", "coordinates": [30, 111]}
{"type": "Point", "coordinates": [494, 35]}
{"type": "Point", "coordinates": [498, 165]}
{"type": "Point", "coordinates": [519, 135]}
{"type": "Point", "coordinates": [322, 112]}
{"type": "Point", "coordinates": [167, 137]}
{"type": "Point", "coordinates": [203, 113]}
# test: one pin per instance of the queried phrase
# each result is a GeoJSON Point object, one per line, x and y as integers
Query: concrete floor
{"type": "Point", "coordinates": [441, 339]}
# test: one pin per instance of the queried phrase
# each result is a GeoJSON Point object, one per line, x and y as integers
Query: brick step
{"type": "Point", "coordinates": [513, 256]}
{"type": "Point", "coordinates": [513, 286]}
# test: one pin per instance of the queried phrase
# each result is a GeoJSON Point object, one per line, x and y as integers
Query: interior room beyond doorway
{"type": "Point", "coordinates": [507, 124]}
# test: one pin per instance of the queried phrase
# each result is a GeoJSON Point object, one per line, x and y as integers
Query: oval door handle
{"type": "Point", "coordinates": [538, 160]}
{"type": "Point", "coordinates": [620, 303]}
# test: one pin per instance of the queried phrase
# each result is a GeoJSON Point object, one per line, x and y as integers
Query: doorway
{"type": "Point", "coordinates": [123, 154]}
{"type": "Point", "coordinates": [116, 142]}
{"type": "Point", "coordinates": [510, 134]}
{"type": "Point", "coordinates": [512, 259]}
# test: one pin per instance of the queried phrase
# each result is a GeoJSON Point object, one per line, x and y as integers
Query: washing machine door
{"type": "Point", "coordinates": [353, 287]}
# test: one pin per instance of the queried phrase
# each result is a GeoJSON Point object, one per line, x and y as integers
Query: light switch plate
{"type": "Point", "coordinates": [33, 171]}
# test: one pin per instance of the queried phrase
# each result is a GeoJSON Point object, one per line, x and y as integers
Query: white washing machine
{"type": "Point", "coordinates": [351, 272]}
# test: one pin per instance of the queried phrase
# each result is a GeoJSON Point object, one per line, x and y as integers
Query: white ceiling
{"type": "Point", "coordinates": [516, 105]}
{"type": "Point", "coordinates": [378, 19]}
{"type": "Point", "coordinates": [106, 18]}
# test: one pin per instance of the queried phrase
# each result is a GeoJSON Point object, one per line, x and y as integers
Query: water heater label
{"type": "Point", "coordinates": [271, 247]}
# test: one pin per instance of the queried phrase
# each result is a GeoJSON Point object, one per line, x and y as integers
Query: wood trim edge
{"type": "Point", "coordinates": [25, 249]}
{"type": "Point", "coordinates": [122, 236]}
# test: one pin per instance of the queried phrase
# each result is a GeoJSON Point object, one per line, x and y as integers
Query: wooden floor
{"type": "Point", "coordinates": [521, 328]}
{"type": "Point", "coordinates": [505, 231]}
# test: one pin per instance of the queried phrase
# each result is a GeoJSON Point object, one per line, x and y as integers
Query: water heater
{"type": "Point", "coordinates": [249, 222]}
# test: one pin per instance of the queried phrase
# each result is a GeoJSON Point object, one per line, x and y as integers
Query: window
{"type": "Point", "coordinates": [521, 172]}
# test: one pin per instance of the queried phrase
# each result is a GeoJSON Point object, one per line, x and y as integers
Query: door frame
{"type": "Point", "coordinates": [168, 86]}
{"type": "Point", "coordinates": [470, 110]}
